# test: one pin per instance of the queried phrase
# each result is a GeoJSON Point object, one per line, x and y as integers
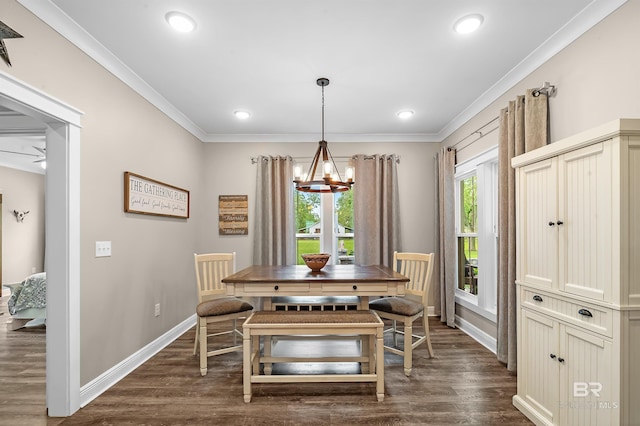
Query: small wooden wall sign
{"type": "Point", "coordinates": [233, 214]}
{"type": "Point", "coordinates": [148, 196]}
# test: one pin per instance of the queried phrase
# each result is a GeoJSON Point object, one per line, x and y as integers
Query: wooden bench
{"type": "Point", "coordinates": [302, 323]}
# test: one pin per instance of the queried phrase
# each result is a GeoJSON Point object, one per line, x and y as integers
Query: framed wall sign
{"type": "Point", "coordinates": [233, 214]}
{"type": "Point", "coordinates": [149, 196]}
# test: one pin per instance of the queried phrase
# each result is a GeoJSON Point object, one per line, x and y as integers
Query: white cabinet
{"type": "Point", "coordinates": [565, 214]}
{"type": "Point", "coordinates": [578, 277]}
{"type": "Point", "coordinates": [566, 374]}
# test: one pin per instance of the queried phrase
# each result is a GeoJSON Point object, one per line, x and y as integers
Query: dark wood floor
{"type": "Point", "coordinates": [463, 384]}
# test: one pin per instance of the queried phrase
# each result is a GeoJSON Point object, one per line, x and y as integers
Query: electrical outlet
{"type": "Point", "coordinates": [103, 248]}
{"type": "Point", "coordinates": [157, 311]}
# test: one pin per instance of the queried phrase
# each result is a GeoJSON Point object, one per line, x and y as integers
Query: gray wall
{"type": "Point", "coordinates": [22, 243]}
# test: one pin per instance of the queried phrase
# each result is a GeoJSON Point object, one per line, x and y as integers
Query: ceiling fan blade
{"type": "Point", "coordinates": [19, 153]}
{"type": "Point", "coordinates": [42, 151]}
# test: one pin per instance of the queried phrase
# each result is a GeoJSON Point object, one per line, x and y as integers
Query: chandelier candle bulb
{"type": "Point", "coordinates": [327, 169]}
{"type": "Point", "coordinates": [349, 174]}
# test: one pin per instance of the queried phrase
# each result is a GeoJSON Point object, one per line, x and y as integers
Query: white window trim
{"type": "Point", "coordinates": [480, 304]}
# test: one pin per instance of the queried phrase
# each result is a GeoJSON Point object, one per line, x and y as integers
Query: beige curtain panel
{"type": "Point", "coordinates": [274, 238]}
{"type": "Point", "coordinates": [446, 236]}
{"type": "Point", "coordinates": [375, 209]}
{"type": "Point", "coordinates": [524, 126]}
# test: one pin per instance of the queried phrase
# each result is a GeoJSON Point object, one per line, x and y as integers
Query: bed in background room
{"type": "Point", "coordinates": [28, 302]}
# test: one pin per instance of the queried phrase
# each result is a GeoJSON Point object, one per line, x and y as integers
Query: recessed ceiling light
{"type": "Point", "coordinates": [468, 24]}
{"type": "Point", "coordinates": [404, 114]}
{"type": "Point", "coordinates": [180, 22]}
{"type": "Point", "coordinates": [242, 115]}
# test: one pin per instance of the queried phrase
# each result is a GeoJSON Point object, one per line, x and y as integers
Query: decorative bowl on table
{"type": "Point", "coordinates": [316, 261]}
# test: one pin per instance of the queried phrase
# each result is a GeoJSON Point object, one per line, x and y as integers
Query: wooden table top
{"type": "Point", "coordinates": [328, 274]}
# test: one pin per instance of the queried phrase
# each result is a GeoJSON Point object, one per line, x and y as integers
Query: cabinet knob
{"type": "Point", "coordinates": [276, 287]}
{"type": "Point", "coordinates": [585, 312]}
{"type": "Point", "coordinates": [355, 287]}
{"type": "Point", "coordinates": [537, 298]}
{"type": "Point", "coordinates": [560, 359]}
{"type": "Point", "coordinates": [551, 223]}
{"type": "Point", "coordinates": [559, 222]}
{"type": "Point", "coordinates": [552, 356]}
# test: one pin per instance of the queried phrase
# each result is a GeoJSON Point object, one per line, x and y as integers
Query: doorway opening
{"type": "Point", "coordinates": [62, 236]}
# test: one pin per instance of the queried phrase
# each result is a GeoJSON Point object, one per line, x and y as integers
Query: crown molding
{"type": "Point", "coordinates": [333, 138]}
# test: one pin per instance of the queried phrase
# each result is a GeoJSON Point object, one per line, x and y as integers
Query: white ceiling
{"type": "Point", "coordinates": [21, 139]}
{"type": "Point", "coordinates": [265, 57]}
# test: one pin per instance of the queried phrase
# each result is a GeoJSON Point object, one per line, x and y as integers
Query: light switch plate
{"type": "Point", "coordinates": [103, 248]}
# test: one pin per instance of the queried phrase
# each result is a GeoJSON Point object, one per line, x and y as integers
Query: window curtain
{"type": "Point", "coordinates": [524, 126]}
{"type": "Point", "coordinates": [376, 209]}
{"type": "Point", "coordinates": [446, 235]}
{"type": "Point", "coordinates": [274, 238]}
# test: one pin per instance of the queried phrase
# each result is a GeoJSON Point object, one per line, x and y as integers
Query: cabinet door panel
{"type": "Point", "coordinates": [585, 208]}
{"type": "Point", "coordinates": [587, 389]}
{"type": "Point", "coordinates": [538, 365]}
{"type": "Point", "coordinates": [537, 239]}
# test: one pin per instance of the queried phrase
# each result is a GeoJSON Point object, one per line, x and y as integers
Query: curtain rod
{"type": "Point", "coordinates": [478, 131]}
{"type": "Point", "coordinates": [546, 88]}
{"type": "Point", "coordinates": [254, 160]}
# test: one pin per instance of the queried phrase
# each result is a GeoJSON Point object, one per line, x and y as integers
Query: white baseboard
{"type": "Point", "coordinates": [478, 335]}
{"type": "Point", "coordinates": [100, 384]}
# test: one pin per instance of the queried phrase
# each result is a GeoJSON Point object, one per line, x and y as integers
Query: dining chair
{"type": "Point", "coordinates": [418, 267]}
{"type": "Point", "coordinates": [214, 306]}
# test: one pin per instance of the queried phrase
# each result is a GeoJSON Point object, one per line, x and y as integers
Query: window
{"type": "Point", "coordinates": [476, 225]}
{"type": "Point", "coordinates": [468, 234]}
{"type": "Point", "coordinates": [324, 224]}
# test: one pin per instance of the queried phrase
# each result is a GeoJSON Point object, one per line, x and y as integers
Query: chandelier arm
{"type": "Point", "coordinates": [314, 165]}
{"type": "Point", "coordinates": [334, 166]}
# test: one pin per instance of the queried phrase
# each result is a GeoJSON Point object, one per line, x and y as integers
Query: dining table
{"type": "Point", "coordinates": [268, 281]}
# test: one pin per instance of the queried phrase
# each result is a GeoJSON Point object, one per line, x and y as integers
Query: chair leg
{"type": "Point", "coordinates": [408, 348]}
{"type": "Point", "coordinates": [195, 343]}
{"type": "Point", "coordinates": [395, 333]}
{"type": "Point", "coordinates": [425, 322]}
{"type": "Point", "coordinates": [202, 322]}
{"type": "Point", "coordinates": [268, 367]}
{"type": "Point", "coordinates": [235, 335]}
{"type": "Point", "coordinates": [246, 366]}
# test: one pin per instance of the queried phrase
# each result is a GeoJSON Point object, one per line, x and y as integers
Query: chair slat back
{"type": "Point", "coordinates": [418, 267]}
{"type": "Point", "coordinates": [211, 268]}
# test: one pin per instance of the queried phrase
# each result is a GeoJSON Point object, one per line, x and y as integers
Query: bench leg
{"type": "Point", "coordinates": [379, 365]}
{"type": "Point", "coordinates": [246, 366]}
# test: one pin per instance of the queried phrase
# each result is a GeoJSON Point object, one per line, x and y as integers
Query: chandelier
{"type": "Point", "coordinates": [328, 178]}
